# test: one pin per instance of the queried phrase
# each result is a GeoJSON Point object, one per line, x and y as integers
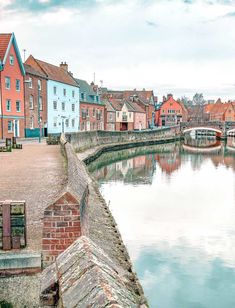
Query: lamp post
{"type": "Point", "coordinates": [39, 120]}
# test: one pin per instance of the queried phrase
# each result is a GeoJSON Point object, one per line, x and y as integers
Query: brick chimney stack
{"type": "Point", "coordinates": [64, 66]}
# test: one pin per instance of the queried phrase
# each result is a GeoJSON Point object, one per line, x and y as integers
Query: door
{"type": "Point", "coordinates": [16, 128]}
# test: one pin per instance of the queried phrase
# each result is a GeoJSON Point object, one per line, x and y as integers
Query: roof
{"type": "Point", "coordinates": [220, 108]}
{"type": "Point", "coordinates": [4, 42]}
{"type": "Point", "coordinates": [136, 107]}
{"type": "Point", "coordinates": [32, 71]}
{"type": "Point", "coordinates": [117, 104]}
{"type": "Point", "coordinates": [56, 73]}
{"type": "Point", "coordinates": [146, 96]}
{"type": "Point", "coordinates": [109, 107]}
{"type": "Point", "coordinates": [90, 93]}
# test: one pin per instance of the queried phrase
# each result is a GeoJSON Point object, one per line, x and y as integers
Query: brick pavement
{"type": "Point", "coordinates": [35, 174]}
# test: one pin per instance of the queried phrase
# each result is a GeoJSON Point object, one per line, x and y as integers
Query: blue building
{"type": "Point", "coordinates": [62, 97]}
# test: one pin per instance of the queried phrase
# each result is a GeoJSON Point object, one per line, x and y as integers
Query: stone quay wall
{"type": "Point", "coordinates": [84, 140]}
{"type": "Point", "coordinates": [93, 221]}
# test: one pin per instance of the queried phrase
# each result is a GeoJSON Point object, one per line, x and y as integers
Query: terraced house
{"type": "Point", "coordinates": [35, 102]}
{"type": "Point", "coordinates": [91, 107]}
{"type": "Point", "coordinates": [12, 74]}
{"type": "Point", "coordinates": [62, 96]}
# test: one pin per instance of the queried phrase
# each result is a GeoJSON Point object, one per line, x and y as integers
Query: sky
{"type": "Point", "coordinates": [171, 46]}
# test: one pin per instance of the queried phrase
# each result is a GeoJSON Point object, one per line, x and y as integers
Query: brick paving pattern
{"type": "Point", "coordinates": [35, 174]}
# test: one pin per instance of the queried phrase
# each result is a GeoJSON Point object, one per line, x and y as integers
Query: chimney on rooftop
{"type": "Point", "coordinates": [64, 66]}
{"type": "Point", "coordinates": [169, 96]}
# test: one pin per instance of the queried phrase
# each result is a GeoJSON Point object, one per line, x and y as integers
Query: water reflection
{"type": "Point", "coordinates": [175, 209]}
{"type": "Point", "coordinates": [137, 165]}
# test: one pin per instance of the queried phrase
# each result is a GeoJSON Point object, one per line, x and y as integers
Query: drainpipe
{"type": "Point", "coordinates": [1, 97]}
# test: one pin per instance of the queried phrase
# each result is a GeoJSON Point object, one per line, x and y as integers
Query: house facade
{"type": "Point", "coordinates": [124, 115]}
{"type": "Point", "coordinates": [92, 109]}
{"type": "Point", "coordinates": [144, 98]}
{"type": "Point", "coordinates": [170, 113]}
{"type": "Point", "coordinates": [110, 117]}
{"type": "Point", "coordinates": [62, 97]}
{"type": "Point", "coordinates": [140, 116]}
{"type": "Point", "coordinates": [222, 112]}
{"type": "Point", "coordinates": [12, 74]}
{"type": "Point", "coordinates": [35, 102]}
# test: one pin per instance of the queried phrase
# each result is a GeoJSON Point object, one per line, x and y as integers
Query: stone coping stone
{"type": "Point", "coordinates": [16, 260]}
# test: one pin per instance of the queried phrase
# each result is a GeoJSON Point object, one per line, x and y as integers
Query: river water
{"type": "Point", "coordinates": [175, 208]}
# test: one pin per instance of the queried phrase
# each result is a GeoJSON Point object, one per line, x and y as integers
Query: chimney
{"type": "Point", "coordinates": [169, 96]}
{"type": "Point", "coordinates": [164, 99]}
{"type": "Point", "coordinates": [64, 66]}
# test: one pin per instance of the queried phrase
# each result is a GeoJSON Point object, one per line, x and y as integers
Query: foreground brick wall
{"type": "Point", "coordinates": [61, 227]}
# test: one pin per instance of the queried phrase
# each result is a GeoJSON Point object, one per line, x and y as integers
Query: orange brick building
{"type": "Point", "coordinates": [170, 113]}
{"type": "Point", "coordinates": [11, 88]}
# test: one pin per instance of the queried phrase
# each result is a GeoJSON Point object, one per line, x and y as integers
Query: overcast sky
{"type": "Point", "coordinates": [170, 46]}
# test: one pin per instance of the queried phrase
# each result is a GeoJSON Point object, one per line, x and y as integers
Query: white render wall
{"type": "Point", "coordinates": [59, 114]}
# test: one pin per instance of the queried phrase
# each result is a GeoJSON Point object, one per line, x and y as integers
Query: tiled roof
{"type": "Point", "coordinates": [31, 70]}
{"type": "Point", "coordinates": [56, 73]}
{"type": "Point", "coordinates": [4, 42]}
{"type": "Point", "coordinates": [136, 107]}
{"type": "Point", "coordinates": [109, 107]}
{"type": "Point", "coordinates": [117, 104]}
{"type": "Point", "coordinates": [220, 108]}
{"type": "Point", "coordinates": [144, 95]}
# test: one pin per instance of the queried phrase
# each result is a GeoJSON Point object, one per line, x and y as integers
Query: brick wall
{"type": "Point", "coordinates": [61, 227]}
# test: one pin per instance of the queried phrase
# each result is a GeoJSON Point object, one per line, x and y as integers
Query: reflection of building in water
{"type": "Point", "coordinates": [134, 170]}
{"type": "Point", "coordinates": [137, 165]}
{"type": "Point", "coordinates": [168, 162]}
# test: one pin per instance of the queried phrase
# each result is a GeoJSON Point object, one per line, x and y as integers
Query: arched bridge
{"type": "Point", "coordinates": [222, 129]}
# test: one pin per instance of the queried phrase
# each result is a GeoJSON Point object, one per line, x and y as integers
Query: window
{"type": "Point", "coordinates": [31, 126]}
{"type": "Point", "coordinates": [87, 112]}
{"type": "Point", "coordinates": [64, 91]}
{"type": "Point", "coordinates": [97, 98]}
{"type": "Point", "coordinates": [55, 121]}
{"type": "Point", "coordinates": [118, 114]}
{"type": "Point", "coordinates": [73, 93]}
{"type": "Point", "coordinates": [55, 105]}
{"type": "Point", "coordinates": [11, 60]}
{"type": "Point", "coordinates": [54, 90]}
{"type": "Point", "coordinates": [93, 112]}
{"type": "Point", "coordinates": [17, 85]}
{"type": "Point", "coordinates": [31, 102]}
{"type": "Point", "coordinates": [63, 106]}
{"type": "Point", "coordinates": [73, 122]}
{"type": "Point", "coordinates": [67, 122]}
{"type": "Point", "coordinates": [83, 113]}
{"type": "Point", "coordinates": [73, 107]}
{"type": "Point", "coordinates": [39, 84]}
{"type": "Point", "coordinates": [30, 83]}
{"type": "Point", "coordinates": [129, 115]}
{"type": "Point", "coordinates": [7, 83]}
{"type": "Point", "coordinates": [9, 126]}
{"type": "Point", "coordinates": [8, 105]}
{"type": "Point", "coordinates": [18, 106]}
{"type": "Point", "coordinates": [110, 116]}
{"type": "Point", "coordinates": [83, 96]}
{"type": "Point", "coordinates": [40, 103]}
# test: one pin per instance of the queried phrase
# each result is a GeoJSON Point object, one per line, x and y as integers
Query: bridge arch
{"type": "Point", "coordinates": [231, 132]}
{"type": "Point", "coordinates": [216, 130]}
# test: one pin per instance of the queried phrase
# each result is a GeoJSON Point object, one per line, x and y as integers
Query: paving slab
{"type": "Point", "coordinates": [35, 174]}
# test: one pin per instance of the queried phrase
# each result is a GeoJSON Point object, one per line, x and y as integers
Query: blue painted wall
{"type": "Point", "coordinates": [59, 114]}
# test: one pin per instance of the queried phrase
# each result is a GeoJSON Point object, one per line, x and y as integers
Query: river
{"type": "Point", "coordinates": [174, 206]}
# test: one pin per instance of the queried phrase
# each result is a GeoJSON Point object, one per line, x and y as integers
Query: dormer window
{"type": "Point", "coordinates": [11, 60]}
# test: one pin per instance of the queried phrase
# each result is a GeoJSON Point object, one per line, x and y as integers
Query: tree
{"type": "Point", "coordinates": [198, 102]}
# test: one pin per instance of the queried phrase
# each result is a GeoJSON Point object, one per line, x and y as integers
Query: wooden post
{"type": "Point", "coordinates": [6, 225]}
